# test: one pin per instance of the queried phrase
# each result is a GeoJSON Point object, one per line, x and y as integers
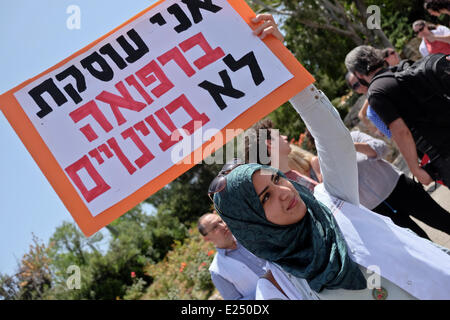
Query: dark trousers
{"type": "Point", "coordinates": [443, 168]}
{"type": "Point", "coordinates": [410, 199]}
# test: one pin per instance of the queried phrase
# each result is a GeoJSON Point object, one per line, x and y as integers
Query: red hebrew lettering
{"type": "Point", "coordinates": [142, 128]}
{"type": "Point", "coordinates": [95, 154]}
{"type": "Point", "coordinates": [125, 101]}
{"type": "Point", "coordinates": [90, 108]}
{"type": "Point", "coordinates": [131, 80]}
{"type": "Point", "coordinates": [88, 133]}
{"type": "Point", "coordinates": [183, 102]}
{"type": "Point", "coordinates": [176, 55]}
{"type": "Point", "coordinates": [165, 119]}
{"type": "Point", "coordinates": [147, 156]}
{"type": "Point", "coordinates": [100, 185]}
{"type": "Point", "coordinates": [210, 54]}
{"type": "Point", "coordinates": [122, 158]}
{"type": "Point", "coordinates": [166, 141]}
{"type": "Point", "coordinates": [147, 78]}
{"type": "Point", "coordinates": [104, 148]}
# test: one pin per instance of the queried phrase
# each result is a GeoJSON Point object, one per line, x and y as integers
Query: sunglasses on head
{"type": "Point", "coordinates": [220, 181]}
{"type": "Point", "coordinates": [356, 86]}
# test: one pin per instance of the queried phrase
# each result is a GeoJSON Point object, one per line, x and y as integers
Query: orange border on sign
{"type": "Point", "coordinates": [61, 183]}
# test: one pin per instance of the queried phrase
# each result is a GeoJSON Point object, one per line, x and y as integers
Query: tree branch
{"type": "Point", "coordinates": [362, 8]}
{"type": "Point", "coordinates": [346, 33]}
{"type": "Point", "coordinates": [272, 9]}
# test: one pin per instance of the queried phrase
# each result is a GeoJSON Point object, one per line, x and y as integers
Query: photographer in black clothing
{"type": "Point", "coordinates": [414, 122]}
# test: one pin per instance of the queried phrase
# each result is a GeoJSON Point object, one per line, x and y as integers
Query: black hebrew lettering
{"type": "Point", "coordinates": [248, 60]}
{"type": "Point", "coordinates": [108, 50]}
{"type": "Point", "coordinates": [105, 74]}
{"type": "Point", "coordinates": [216, 91]}
{"type": "Point", "coordinates": [79, 80]}
{"type": "Point", "coordinates": [49, 87]}
{"type": "Point", "coordinates": [158, 18]}
{"type": "Point", "coordinates": [194, 7]}
{"type": "Point", "coordinates": [133, 54]}
{"type": "Point", "coordinates": [182, 18]}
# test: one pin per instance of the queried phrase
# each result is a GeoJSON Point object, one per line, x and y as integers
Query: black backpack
{"type": "Point", "coordinates": [423, 79]}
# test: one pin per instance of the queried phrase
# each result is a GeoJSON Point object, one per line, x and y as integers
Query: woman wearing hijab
{"type": "Point", "coordinates": [325, 246]}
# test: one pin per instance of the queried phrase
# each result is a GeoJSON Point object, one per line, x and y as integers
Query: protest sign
{"type": "Point", "coordinates": [106, 124]}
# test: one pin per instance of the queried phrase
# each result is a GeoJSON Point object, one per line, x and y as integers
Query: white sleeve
{"type": "Point", "coordinates": [442, 31]}
{"type": "Point", "coordinates": [337, 155]}
{"type": "Point", "coordinates": [423, 49]}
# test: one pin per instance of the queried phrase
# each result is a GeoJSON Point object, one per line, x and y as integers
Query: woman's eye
{"type": "Point", "coordinates": [276, 179]}
{"type": "Point", "coordinates": [266, 197]}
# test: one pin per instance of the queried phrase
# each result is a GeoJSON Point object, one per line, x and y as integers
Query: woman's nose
{"type": "Point", "coordinates": [283, 193]}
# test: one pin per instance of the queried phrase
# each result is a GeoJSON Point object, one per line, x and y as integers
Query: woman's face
{"type": "Point", "coordinates": [434, 13]}
{"type": "Point", "coordinates": [421, 30]}
{"type": "Point", "coordinates": [280, 200]}
{"type": "Point", "coordinates": [392, 59]}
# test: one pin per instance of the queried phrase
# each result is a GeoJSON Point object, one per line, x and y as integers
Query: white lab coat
{"type": "Point", "coordinates": [236, 272]}
{"type": "Point", "coordinates": [410, 267]}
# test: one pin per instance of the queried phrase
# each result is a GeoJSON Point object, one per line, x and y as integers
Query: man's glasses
{"type": "Point", "coordinates": [219, 183]}
{"type": "Point", "coordinates": [389, 53]}
{"type": "Point", "coordinates": [362, 81]}
{"type": "Point", "coordinates": [214, 227]}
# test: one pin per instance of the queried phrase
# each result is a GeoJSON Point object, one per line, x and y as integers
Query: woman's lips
{"type": "Point", "coordinates": [293, 203]}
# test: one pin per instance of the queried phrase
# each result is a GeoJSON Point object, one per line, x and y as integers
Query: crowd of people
{"type": "Point", "coordinates": [338, 225]}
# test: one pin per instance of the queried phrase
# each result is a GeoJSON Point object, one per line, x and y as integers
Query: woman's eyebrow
{"type": "Point", "coordinates": [265, 189]}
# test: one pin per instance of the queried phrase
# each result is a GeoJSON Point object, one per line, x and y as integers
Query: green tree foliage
{"type": "Point", "coordinates": [186, 197]}
{"type": "Point", "coordinates": [183, 273]}
{"type": "Point", "coordinates": [287, 120]}
{"type": "Point", "coordinates": [136, 239]}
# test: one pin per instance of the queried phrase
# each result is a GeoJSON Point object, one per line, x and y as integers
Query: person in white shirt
{"type": "Point", "coordinates": [325, 246]}
{"type": "Point", "coordinates": [234, 270]}
{"type": "Point", "coordinates": [435, 38]}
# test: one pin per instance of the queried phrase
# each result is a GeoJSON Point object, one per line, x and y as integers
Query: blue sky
{"type": "Point", "coordinates": [34, 37]}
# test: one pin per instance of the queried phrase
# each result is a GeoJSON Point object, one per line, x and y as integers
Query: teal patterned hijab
{"type": "Point", "coordinates": [313, 248]}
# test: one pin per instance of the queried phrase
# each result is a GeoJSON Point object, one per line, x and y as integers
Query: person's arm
{"type": "Point", "coordinates": [226, 289]}
{"type": "Point", "coordinates": [373, 148]}
{"type": "Point", "coordinates": [362, 114]}
{"type": "Point", "coordinates": [405, 143]}
{"type": "Point", "coordinates": [337, 155]}
{"type": "Point", "coordinates": [366, 149]}
{"type": "Point", "coordinates": [434, 37]}
{"type": "Point", "coordinates": [442, 34]}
